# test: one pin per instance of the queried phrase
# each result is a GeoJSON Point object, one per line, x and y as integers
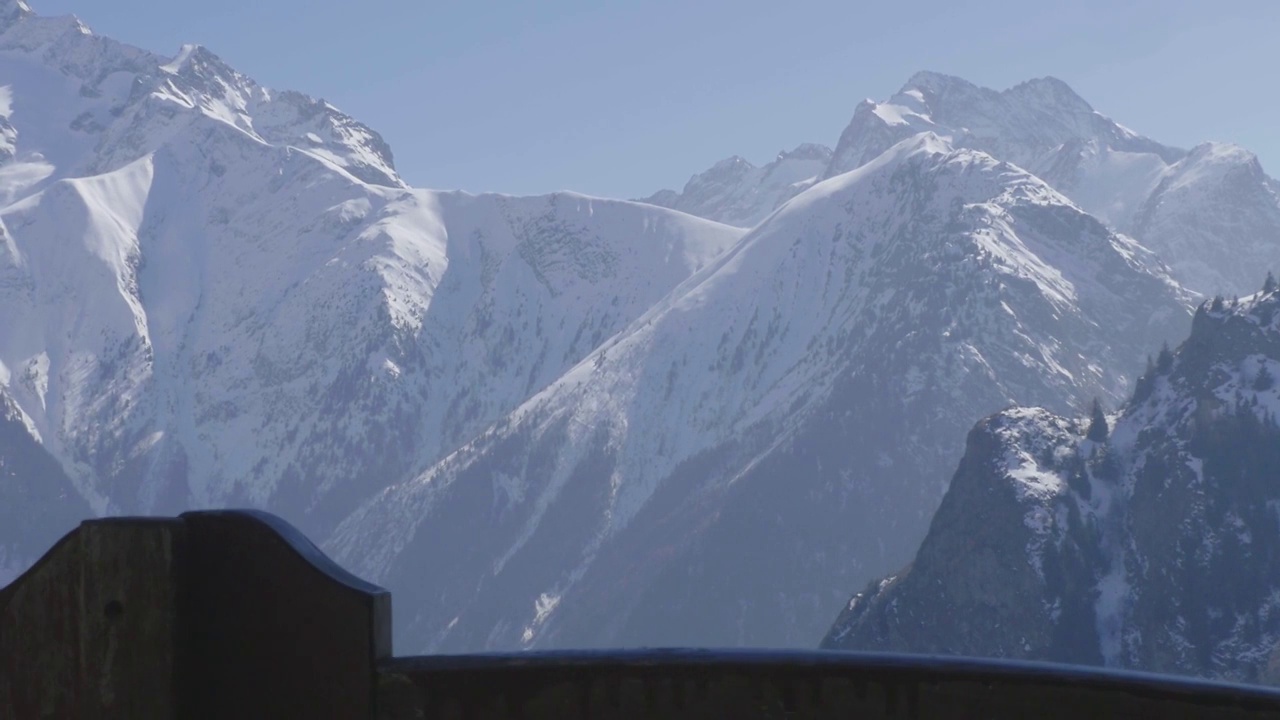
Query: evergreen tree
{"type": "Point", "coordinates": [1146, 382]}
{"type": "Point", "coordinates": [1098, 430]}
{"type": "Point", "coordinates": [1164, 361]}
{"type": "Point", "coordinates": [1219, 303]}
{"type": "Point", "coordinates": [1270, 285]}
{"type": "Point", "coordinates": [1264, 380]}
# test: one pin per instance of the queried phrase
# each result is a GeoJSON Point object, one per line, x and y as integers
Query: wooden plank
{"type": "Point", "coordinates": [128, 616]}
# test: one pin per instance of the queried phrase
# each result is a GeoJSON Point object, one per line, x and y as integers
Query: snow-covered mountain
{"type": "Point", "coordinates": [1212, 213]}
{"type": "Point", "coordinates": [1145, 540]}
{"type": "Point", "coordinates": [89, 105]}
{"type": "Point", "coordinates": [1039, 125]}
{"type": "Point", "coordinates": [779, 425]}
{"type": "Point", "coordinates": [735, 192]}
{"type": "Point", "coordinates": [216, 293]}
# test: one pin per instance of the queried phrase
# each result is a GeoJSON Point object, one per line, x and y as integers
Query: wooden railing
{"type": "Point", "coordinates": [236, 615]}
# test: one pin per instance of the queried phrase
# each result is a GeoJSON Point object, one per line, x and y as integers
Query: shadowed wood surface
{"type": "Point", "coordinates": [234, 614]}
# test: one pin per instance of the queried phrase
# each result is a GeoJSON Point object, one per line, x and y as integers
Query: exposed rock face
{"type": "Point", "coordinates": [1156, 549]}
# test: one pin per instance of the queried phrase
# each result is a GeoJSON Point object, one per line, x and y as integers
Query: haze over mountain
{"type": "Point", "coordinates": [561, 420]}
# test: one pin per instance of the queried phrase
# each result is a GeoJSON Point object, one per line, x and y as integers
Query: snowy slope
{"type": "Point", "coordinates": [735, 192]}
{"type": "Point", "coordinates": [776, 426]}
{"type": "Point", "coordinates": [223, 294]}
{"type": "Point", "coordinates": [1153, 547]}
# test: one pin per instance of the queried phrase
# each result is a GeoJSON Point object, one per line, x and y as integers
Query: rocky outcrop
{"type": "Point", "coordinates": [1156, 548]}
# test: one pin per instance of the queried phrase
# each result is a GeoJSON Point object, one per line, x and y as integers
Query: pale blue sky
{"type": "Point", "coordinates": [623, 98]}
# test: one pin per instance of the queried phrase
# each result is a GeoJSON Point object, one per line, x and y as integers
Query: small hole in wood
{"type": "Point", "coordinates": [113, 610]}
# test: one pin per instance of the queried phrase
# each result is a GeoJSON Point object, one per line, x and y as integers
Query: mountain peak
{"type": "Point", "coordinates": [1221, 152]}
{"type": "Point", "coordinates": [11, 11]}
{"type": "Point", "coordinates": [923, 144]}
{"type": "Point", "coordinates": [8, 7]}
{"type": "Point", "coordinates": [806, 151]}
{"type": "Point", "coordinates": [735, 163]}
{"type": "Point", "coordinates": [930, 81]}
{"type": "Point", "coordinates": [43, 29]}
{"type": "Point", "coordinates": [1049, 92]}
{"type": "Point", "coordinates": [194, 80]}
{"type": "Point", "coordinates": [1218, 159]}
{"type": "Point", "coordinates": [1049, 82]}
{"type": "Point", "coordinates": [1030, 124]}
{"type": "Point", "coordinates": [198, 61]}
{"type": "Point", "coordinates": [186, 54]}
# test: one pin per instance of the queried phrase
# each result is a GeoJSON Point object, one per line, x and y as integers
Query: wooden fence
{"type": "Point", "coordinates": [235, 614]}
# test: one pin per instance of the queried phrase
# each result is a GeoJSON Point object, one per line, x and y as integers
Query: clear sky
{"type": "Point", "coordinates": [623, 98]}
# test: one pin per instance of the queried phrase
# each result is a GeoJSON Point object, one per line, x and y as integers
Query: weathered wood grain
{"type": "Point", "coordinates": [89, 631]}
{"type": "Point", "coordinates": [128, 616]}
